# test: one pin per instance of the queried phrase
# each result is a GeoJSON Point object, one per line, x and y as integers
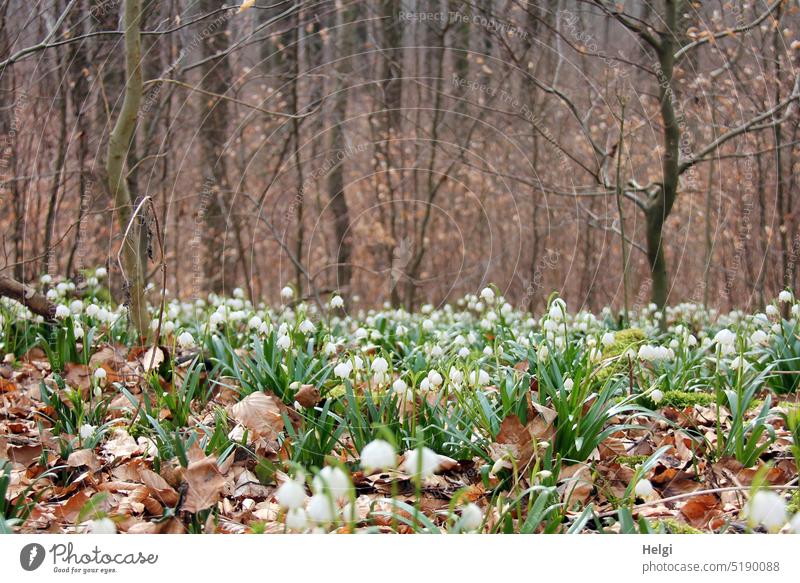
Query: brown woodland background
{"type": "Point", "coordinates": [410, 151]}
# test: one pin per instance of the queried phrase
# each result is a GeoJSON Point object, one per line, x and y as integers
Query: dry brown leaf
{"type": "Point", "coordinates": [698, 510]}
{"type": "Point", "coordinates": [83, 457]}
{"type": "Point", "coordinates": [205, 484]}
{"type": "Point", "coordinates": [260, 414]}
{"type": "Point", "coordinates": [308, 396]}
{"type": "Point", "coordinates": [575, 484]}
{"type": "Point", "coordinates": [77, 376]}
{"type": "Point", "coordinates": [121, 445]}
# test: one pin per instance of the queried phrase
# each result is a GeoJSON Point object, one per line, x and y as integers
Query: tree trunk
{"type": "Point", "coordinates": [338, 203]}
{"type": "Point", "coordinates": [219, 265]}
{"type": "Point", "coordinates": [118, 144]}
{"type": "Point", "coordinates": [661, 204]}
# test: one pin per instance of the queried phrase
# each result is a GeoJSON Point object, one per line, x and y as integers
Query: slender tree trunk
{"type": "Point", "coordinates": [661, 204]}
{"type": "Point", "coordinates": [58, 173]}
{"type": "Point", "coordinates": [338, 203]}
{"type": "Point", "coordinates": [118, 143]}
{"type": "Point", "coordinates": [219, 261]}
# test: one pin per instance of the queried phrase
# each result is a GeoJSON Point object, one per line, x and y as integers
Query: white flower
{"type": "Point", "coordinates": [100, 373]}
{"type": "Point", "coordinates": [291, 494]}
{"type": "Point", "coordinates": [643, 489]}
{"type": "Point", "coordinates": [76, 307]}
{"type": "Point", "coordinates": [479, 378]}
{"type": "Point", "coordinates": [725, 338]}
{"type": "Point", "coordinates": [794, 523]}
{"type": "Point", "coordinates": [657, 396]}
{"type": "Point", "coordinates": [343, 369]}
{"type": "Point", "coordinates": [434, 378]}
{"type": "Point", "coordinates": [378, 454]}
{"type": "Point", "coordinates": [421, 464]}
{"type": "Point", "coordinates": [321, 509]}
{"type": "Point", "coordinates": [766, 508]}
{"type": "Point", "coordinates": [332, 480]}
{"type": "Point", "coordinates": [772, 311]}
{"type": "Point", "coordinates": [759, 337]}
{"type": "Point", "coordinates": [427, 325]}
{"type": "Point", "coordinates": [543, 352]}
{"type": "Point", "coordinates": [296, 519]}
{"type": "Point", "coordinates": [62, 312]}
{"type": "Point", "coordinates": [785, 297]}
{"type": "Point", "coordinates": [456, 376]}
{"type": "Point", "coordinates": [284, 342]}
{"type": "Point", "coordinates": [401, 330]}
{"type": "Point", "coordinates": [738, 363]}
{"type": "Point", "coordinates": [568, 384]}
{"type": "Point", "coordinates": [399, 386]}
{"type": "Point", "coordinates": [86, 431]}
{"type": "Point", "coordinates": [379, 365]}
{"type": "Point", "coordinates": [287, 293]}
{"type": "Point", "coordinates": [45, 279]}
{"type": "Point", "coordinates": [463, 352]}
{"type": "Point", "coordinates": [361, 333]}
{"type": "Point", "coordinates": [607, 339]}
{"type": "Point", "coordinates": [102, 526]}
{"type": "Point", "coordinates": [337, 302]}
{"type": "Point", "coordinates": [655, 353]}
{"type": "Point", "coordinates": [185, 339]}
{"type": "Point", "coordinates": [100, 272]}
{"type": "Point", "coordinates": [307, 326]}
{"type": "Point", "coordinates": [557, 309]}
{"type": "Point", "coordinates": [487, 294]}
{"type": "Point", "coordinates": [471, 517]}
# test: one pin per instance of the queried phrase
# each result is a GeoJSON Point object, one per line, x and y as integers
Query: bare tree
{"type": "Point", "coordinates": [118, 144]}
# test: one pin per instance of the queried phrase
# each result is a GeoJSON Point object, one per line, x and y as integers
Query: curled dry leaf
{"type": "Point", "coordinates": [204, 484]}
{"type": "Point", "coordinates": [260, 414]}
{"type": "Point", "coordinates": [308, 396]}
{"type": "Point", "coordinates": [120, 445]}
{"type": "Point", "coordinates": [77, 376]}
{"type": "Point", "coordinates": [518, 441]}
{"type": "Point", "coordinates": [698, 510]}
{"type": "Point", "coordinates": [83, 457]}
{"type": "Point", "coordinates": [576, 484]}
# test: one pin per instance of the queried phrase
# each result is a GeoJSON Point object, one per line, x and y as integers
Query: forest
{"type": "Point", "coordinates": [440, 266]}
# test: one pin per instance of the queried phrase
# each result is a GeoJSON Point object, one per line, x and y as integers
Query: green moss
{"type": "Point", "coordinates": [794, 503]}
{"type": "Point", "coordinates": [337, 392]}
{"type": "Point", "coordinates": [631, 460]}
{"type": "Point", "coordinates": [623, 340]}
{"type": "Point", "coordinates": [683, 399]}
{"type": "Point", "coordinates": [672, 526]}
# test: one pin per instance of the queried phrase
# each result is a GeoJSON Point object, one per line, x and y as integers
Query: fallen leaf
{"type": "Point", "coordinates": [205, 484]}
{"type": "Point", "coordinates": [83, 457]}
{"type": "Point", "coordinates": [260, 414]}
{"type": "Point", "coordinates": [308, 396]}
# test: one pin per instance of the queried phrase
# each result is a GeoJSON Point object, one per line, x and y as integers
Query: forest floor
{"type": "Point", "coordinates": [472, 417]}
